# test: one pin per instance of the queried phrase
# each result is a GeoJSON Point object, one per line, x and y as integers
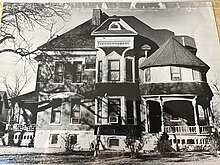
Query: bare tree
{"type": "Point", "coordinates": [17, 18]}
{"type": "Point", "coordinates": [216, 99]}
{"type": "Point", "coordinates": [16, 83]}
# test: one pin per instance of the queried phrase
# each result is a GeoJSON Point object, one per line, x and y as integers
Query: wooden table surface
{"type": "Point", "coordinates": [216, 7]}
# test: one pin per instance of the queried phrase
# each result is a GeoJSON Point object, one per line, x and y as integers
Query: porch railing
{"type": "Point", "coordinates": [187, 129]}
{"type": "Point", "coordinates": [205, 129]}
{"type": "Point", "coordinates": [22, 127]}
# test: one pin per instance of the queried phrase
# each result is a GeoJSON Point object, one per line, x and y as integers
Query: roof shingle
{"type": "Point", "coordinates": [173, 53]}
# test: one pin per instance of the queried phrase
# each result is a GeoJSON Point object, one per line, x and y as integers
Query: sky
{"type": "Point", "coordinates": [197, 22]}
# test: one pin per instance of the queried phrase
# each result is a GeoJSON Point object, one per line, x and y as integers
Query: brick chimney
{"type": "Point", "coordinates": [96, 17]}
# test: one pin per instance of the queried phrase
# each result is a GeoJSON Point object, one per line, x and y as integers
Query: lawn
{"type": "Point", "coordinates": [61, 158]}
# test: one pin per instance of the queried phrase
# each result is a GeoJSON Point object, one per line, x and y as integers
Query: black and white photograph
{"type": "Point", "coordinates": [112, 83]}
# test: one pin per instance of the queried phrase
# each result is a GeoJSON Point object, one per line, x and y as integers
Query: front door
{"type": "Point", "coordinates": [154, 117]}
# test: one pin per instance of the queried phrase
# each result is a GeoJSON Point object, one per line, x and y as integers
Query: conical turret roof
{"type": "Point", "coordinates": [173, 53]}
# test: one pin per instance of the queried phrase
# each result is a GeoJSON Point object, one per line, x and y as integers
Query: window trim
{"type": "Point", "coordinates": [110, 71]}
{"type": "Point", "coordinates": [179, 72]}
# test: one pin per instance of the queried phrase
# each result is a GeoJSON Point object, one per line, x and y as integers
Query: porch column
{"type": "Point", "coordinates": [123, 111]}
{"type": "Point", "coordinates": [104, 110]}
{"type": "Point", "coordinates": [209, 116]}
{"type": "Point", "coordinates": [206, 116]}
{"type": "Point", "coordinates": [162, 119]}
{"type": "Point", "coordinates": [146, 111]}
{"type": "Point", "coordinates": [135, 112]}
{"type": "Point", "coordinates": [195, 115]}
{"type": "Point", "coordinates": [96, 111]}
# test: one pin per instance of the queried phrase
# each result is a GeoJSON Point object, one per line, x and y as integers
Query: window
{"type": "Point", "coordinates": [129, 70]}
{"type": "Point", "coordinates": [99, 107]}
{"type": "Point", "coordinates": [56, 115]}
{"type": "Point", "coordinates": [196, 75]}
{"type": "Point", "coordinates": [113, 142]}
{"type": "Point", "coordinates": [130, 112]}
{"type": "Point", "coordinates": [114, 26]}
{"type": "Point", "coordinates": [77, 72]}
{"type": "Point", "coordinates": [114, 70]}
{"type": "Point", "coordinates": [175, 73]}
{"type": "Point", "coordinates": [53, 138]}
{"type": "Point", "coordinates": [147, 75]}
{"type": "Point", "coordinates": [114, 108]}
{"type": "Point", "coordinates": [73, 139]}
{"type": "Point", "coordinates": [90, 62]}
{"type": "Point", "coordinates": [99, 71]}
{"type": "Point", "coordinates": [183, 141]}
{"type": "Point", "coordinates": [75, 112]}
{"type": "Point", "coordinates": [1, 106]}
{"type": "Point", "coordinates": [190, 141]}
{"type": "Point", "coordinates": [59, 72]}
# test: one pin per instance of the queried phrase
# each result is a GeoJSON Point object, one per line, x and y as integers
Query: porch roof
{"type": "Point", "coordinates": [195, 88]}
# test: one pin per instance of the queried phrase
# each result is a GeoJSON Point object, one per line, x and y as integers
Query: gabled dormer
{"type": "Point", "coordinates": [114, 26]}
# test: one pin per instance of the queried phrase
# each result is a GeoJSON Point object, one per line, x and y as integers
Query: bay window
{"type": "Point", "coordinates": [114, 70]}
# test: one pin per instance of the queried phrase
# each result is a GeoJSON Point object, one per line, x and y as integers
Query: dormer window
{"type": "Point", "coordinates": [114, 26]}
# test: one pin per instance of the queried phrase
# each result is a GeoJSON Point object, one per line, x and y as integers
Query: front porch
{"type": "Point", "coordinates": [178, 115]}
{"type": "Point", "coordinates": [20, 135]}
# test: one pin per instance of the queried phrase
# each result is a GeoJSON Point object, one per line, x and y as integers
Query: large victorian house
{"type": "Point", "coordinates": [112, 75]}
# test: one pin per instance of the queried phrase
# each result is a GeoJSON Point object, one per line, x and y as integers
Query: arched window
{"type": "Point", "coordinates": [114, 26]}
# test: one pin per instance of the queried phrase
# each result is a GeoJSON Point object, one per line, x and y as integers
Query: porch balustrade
{"type": "Point", "coordinates": [22, 127]}
{"type": "Point", "coordinates": [187, 129]}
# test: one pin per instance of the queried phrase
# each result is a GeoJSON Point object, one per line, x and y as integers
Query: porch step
{"type": "Point", "coordinates": [150, 142]}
